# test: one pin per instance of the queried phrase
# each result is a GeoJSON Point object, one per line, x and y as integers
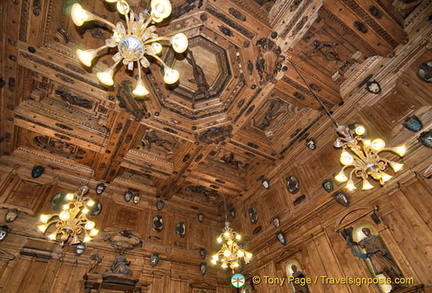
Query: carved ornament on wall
{"type": "Point", "coordinates": [73, 98]}
{"type": "Point", "coordinates": [208, 193]}
{"type": "Point", "coordinates": [269, 61]}
{"type": "Point", "coordinates": [215, 134]}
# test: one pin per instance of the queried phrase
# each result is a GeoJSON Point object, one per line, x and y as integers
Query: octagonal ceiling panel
{"type": "Point", "coordinates": [203, 68]}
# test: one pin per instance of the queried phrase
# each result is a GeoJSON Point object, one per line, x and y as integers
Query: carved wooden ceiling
{"type": "Point", "coordinates": [243, 102]}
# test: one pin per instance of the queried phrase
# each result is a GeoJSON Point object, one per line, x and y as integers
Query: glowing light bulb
{"type": "Point", "coordinates": [89, 225]}
{"type": "Point", "coordinates": [378, 144]}
{"type": "Point", "coordinates": [140, 89]}
{"type": "Point", "coordinates": [350, 185]}
{"type": "Point", "coordinates": [227, 253]}
{"type": "Point", "coordinates": [400, 150]}
{"type": "Point", "coordinates": [179, 42]}
{"type": "Point", "coordinates": [157, 48]}
{"type": "Point", "coordinates": [214, 261]}
{"type": "Point", "coordinates": [367, 142]}
{"type": "Point", "coordinates": [367, 185]}
{"type": "Point", "coordinates": [227, 234]}
{"type": "Point", "coordinates": [396, 166]}
{"type": "Point", "coordinates": [94, 232]}
{"type": "Point", "coordinates": [64, 215]}
{"type": "Point", "coordinates": [341, 177]}
{"type": "Point", "coordinates": [90, 203]}
{"type": "Point", "coordinates": [44, 218]}
{"type": "Point", "coordinates": [122, 7]}
{"type": "Point", "coordinates": [86, 57]}
{"type": "Point", "coordinates": [52, 236]}
{"type": "Point", "coordinates": [360, 130]}
{"type": "Point", "coordinates": [219, 240]}
{"type": "Point", "coordinates": [171, 76]}
{"type": "Point", "coordinates": [106, 77]}
{"type": "Point", "coordinates": [79, 15]}
{"type": "Point", "coordinates": [346, 158]}
{"type": "Point", "coordinates": [87, 239]}
{"type": "Point", "coordinates": [248, 255]}
{"type": "Point", "coordinates": [42, 228]}
{"type": "Point", "coordinates": [240, 253]}
{"type": "Point", "coordinates": [85, 211]}
{"type": "Point", "coordinates": [224, 266]}
{"type": "Point", "coordinates": [235, 264]}
{"type": "Point", "coordinates": [229, 242]}
{"type": "Point", "coordinates": [161, 8]}
{"type": "Point", "coordinates": [238, 236]}
{"type": "Point", "coordinates": [385, 177]}
{"type": "Point", "coordinates": [69, 196]}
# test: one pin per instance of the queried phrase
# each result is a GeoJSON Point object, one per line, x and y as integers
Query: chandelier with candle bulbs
{"type": "Point", "coordinates": [363, 156]}
{"type": "Point", "coordinates": [230, 253]}
{"type": "Point", "coordinates": [71, 222]}
{"type": "Point", "coordinates": [135, 42]}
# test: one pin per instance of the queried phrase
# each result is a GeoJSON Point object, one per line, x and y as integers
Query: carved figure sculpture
{"type": "Point", "coordinates": [151, 138]}
{"type": "Point", "coordinates": [380, 258]}
{"type": "Point", "coordinates": [199, 77]}
{"type": "Point", "coordinates": [326, 49]}
{"type": "Point", "coordinates": [273, 111]}
{"type": "Point", "coordinates": [95, 260]}
{"type": "Point", "coordinates": [229, 160]}
{"type": "Point", "coordinates": [121, 266]}
{"type": "Point", "coordinates": [74, 99]}
{"type": "Point", "coordinates": [299, 285]}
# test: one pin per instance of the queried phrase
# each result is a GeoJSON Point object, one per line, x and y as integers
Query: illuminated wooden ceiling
{"type": "Point", "coordinates": [260, 60]}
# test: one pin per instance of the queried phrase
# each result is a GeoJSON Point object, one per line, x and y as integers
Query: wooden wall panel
{"type": "Point", "coordinates": [178, 286]}
{"type": "Point", "coordinates": [349, 265]}
{"type": "Point", "coordinates": [35, 272]}
{"type": "Point", "coordinates": [17, 277]}
{"type": "Point", "coordinates": [413, 237]}
{"type": "Point", "coordinates": [23, 194]}
{"type": "Point", "coordinates": [315, 264]}
{"type": "Point", "coordinates": [422, 203]}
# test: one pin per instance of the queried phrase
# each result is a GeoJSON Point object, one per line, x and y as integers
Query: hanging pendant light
{"type": "Point", "coordinates": [230, 255]}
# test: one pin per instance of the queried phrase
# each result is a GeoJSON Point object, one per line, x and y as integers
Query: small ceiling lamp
{"type": "Point", "coordinates": [71, 222]}
{"type": "Point", "coordinates": [359, 153]}
{"type": "Point", "coordinates": [135, 41]}
{"type": "Point", "coordinates": [230, 255]}
{"type": "Point", "coordinates": [363, 156]}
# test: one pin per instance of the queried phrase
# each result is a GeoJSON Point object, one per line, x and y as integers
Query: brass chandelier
{"type": "Point", "coordinates": [230, 253]}
{"type": "Point", "coordinates": [71, 222]}
{"type": "Point", "coordinates": [359, 153]}
{"type": "Point", "coordinates": [135, 42]}
{"type": "Point", "coordinates": [363, 156]}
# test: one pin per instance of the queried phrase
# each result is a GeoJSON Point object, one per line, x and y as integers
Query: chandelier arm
{"type": "Point", "coordinates": [50, 223]}
{"type": "Point", "coordinates": [139, 70]}
{"type": "Point", "coordinates": [107, 22]}
{"type": "Point", "coordinates": [353, 171]}
{"type": "Point", "coordinates": [128, 23]}
{"type": "Point", "coordinates": [159, 59]}
{"type": "Point", "coordinates": [389, 150]}
{"type": "Point", "coordinates": [157, 39]}
{"type": "Point", "coordinates": [144, 26]}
